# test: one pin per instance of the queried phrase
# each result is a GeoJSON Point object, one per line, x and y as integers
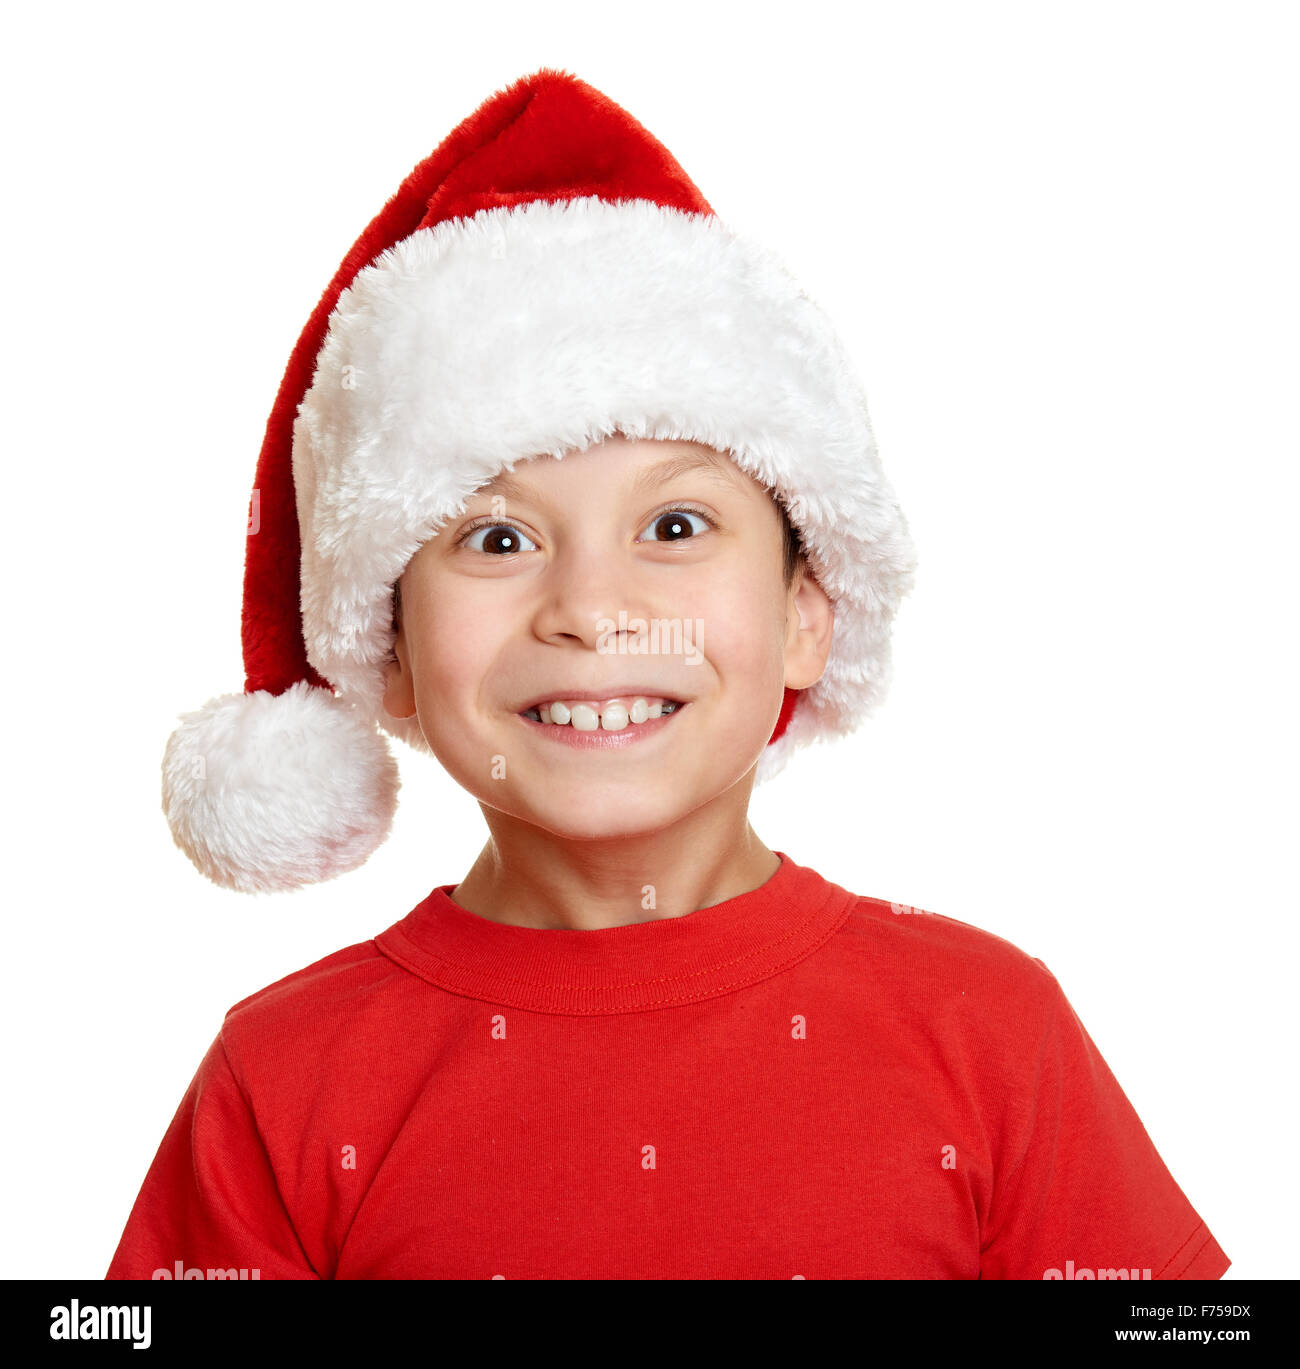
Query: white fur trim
{"type": "Point", "coordinates": [540, 329]}
{"type": "Point", "coordinates": [269, 792]}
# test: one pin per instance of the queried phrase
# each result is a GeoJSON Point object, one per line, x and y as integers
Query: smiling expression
{"type": "Point", "coordinates": [606, 587]}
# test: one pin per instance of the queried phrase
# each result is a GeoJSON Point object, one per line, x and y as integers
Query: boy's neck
{"type": "Point", "coordinates": [527, 877]}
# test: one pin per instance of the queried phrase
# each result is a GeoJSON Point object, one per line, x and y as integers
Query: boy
{"type": "Point", "coordinates": [572, 488]}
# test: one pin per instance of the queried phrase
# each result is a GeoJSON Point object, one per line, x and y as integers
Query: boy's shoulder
{"type": "Point", "coordinates": [307, 1004]}
{"type": "Point", "coordinates": [321, 978]}
{"type": "Point", "coordinates": [934, 955]}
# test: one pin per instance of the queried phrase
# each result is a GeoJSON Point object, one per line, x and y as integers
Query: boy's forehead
{"type": "Point", "coordinates": [656, 462]}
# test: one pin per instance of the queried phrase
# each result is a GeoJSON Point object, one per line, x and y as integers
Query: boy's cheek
{"type": "Point", "coordinates": [459, 650]}
{"type": "Point", "coordinates": [743, 636]}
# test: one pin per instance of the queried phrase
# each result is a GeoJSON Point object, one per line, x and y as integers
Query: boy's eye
{"type": "Point", "coordinates": [674, 526]}
{"type": "Point", "coordinates": [500, 539]}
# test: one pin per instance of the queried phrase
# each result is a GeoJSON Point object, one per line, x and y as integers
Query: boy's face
{"type": "Point", "coordinates": [518, 600]}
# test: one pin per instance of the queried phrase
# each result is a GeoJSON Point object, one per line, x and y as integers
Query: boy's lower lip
{"type": "Point", "coordinates": [599, 739]}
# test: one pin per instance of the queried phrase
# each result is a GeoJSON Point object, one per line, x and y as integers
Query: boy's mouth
{"type": "Point", "coordinates": [614, 713]}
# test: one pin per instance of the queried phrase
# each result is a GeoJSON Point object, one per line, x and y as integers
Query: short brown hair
{"type": "Point", "coordinates": [794, 553]}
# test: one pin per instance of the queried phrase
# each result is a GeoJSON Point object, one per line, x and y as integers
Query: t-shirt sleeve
{"type": "Point", "coordinates": [210, 1202]}
{"type": "Point", "coordinates": [1081, 1191]}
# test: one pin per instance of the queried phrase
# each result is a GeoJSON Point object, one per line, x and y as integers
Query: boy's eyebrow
{"type": "Point", "coordinates": [711, 464]}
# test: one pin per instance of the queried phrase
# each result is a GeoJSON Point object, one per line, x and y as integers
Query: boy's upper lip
{"type": "Point", "coordinates": [600, 696]}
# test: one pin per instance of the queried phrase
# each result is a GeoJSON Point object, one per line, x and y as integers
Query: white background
{"type": "Point", "coordinates": [1060, 242]}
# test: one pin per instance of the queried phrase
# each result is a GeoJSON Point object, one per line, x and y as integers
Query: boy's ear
{"type": "Point", "coordinates": [399, 688]}
{"type": "Point", "coordinates": [810, 621]}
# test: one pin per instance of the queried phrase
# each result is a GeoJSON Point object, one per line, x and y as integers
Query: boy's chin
{"type": "Point", "coordinates": [598, 810]}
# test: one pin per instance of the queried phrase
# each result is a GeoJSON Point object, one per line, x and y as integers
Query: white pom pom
{"type": "Point", "coordinates": [268, 792]}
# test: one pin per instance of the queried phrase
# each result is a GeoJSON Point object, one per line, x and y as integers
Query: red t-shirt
{"type": "Point", "coordinates": [795, 1083]}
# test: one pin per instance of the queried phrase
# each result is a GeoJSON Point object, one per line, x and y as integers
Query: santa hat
{"type": "Point", "coordinates": [547, 277]}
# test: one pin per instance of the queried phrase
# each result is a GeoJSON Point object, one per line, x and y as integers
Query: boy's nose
{"type": "Point", "coordinates": [582, 597]}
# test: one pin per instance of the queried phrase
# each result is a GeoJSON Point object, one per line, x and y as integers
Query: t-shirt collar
{"type": "Point", "coordinates": [663, 963]}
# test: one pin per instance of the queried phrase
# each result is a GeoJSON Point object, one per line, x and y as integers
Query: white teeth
{"type": "Point", "coordinates": [614, 718]}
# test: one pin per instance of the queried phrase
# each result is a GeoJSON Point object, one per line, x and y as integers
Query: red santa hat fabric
{"type": "Point", "coordinates": [548, 276]}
